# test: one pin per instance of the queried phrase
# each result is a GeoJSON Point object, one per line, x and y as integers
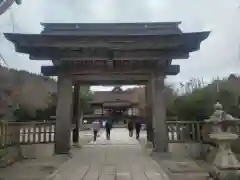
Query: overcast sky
{"type": "Point", "coordinates": [219, 54]}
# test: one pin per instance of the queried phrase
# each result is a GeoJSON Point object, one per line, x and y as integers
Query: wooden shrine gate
{"type": "Point", "coordinates": [108, 54]}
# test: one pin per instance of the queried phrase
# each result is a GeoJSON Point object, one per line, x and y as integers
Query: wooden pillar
{"type": "Point", "coordinates": [148, 111]}
{"type": "Point", "coordinates": [63, 114]}
{"type": "Point", "coordinates": [76, 113]}
{"type": "Point", "coordinates": [102, 109]}
{"type": "Point", "coordinates": [159, 115]}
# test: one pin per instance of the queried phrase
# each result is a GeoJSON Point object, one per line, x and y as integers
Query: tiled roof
{"type": "Point", "coordinates": [153, 28]}
{"type": "Point", "coordinates": [114, 96]}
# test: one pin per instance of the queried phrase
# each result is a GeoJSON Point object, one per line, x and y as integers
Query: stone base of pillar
{"type": "Point", "coordinates": [160, 143]}
{"type": "Point", "coordinates": [61, 150]}
{"type": "Point", "coordinates": [75, 136]}
{"type": "Point", "coordinates": [149, 145]}
{"type": "Point", "coordinates": [77, 145]}
{"type": "Point", "coordinates": [160, 149]}
{"type": "Point", "coordinates": [149, 132]}
{"type": "Point", "coordinates": [157, 150]}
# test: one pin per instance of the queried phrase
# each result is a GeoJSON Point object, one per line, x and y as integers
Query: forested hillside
{"type": "Point", "coordinates": [21, 88]}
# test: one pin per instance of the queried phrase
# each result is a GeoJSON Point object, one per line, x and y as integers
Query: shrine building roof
{"type": "Point", "coordinates": [116, 96]}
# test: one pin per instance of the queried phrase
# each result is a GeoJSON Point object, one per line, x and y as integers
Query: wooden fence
{"type": "Point", "coordinates": [20, 133]}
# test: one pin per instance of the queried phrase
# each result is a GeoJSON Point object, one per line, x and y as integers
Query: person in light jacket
{"type": "Point", "coordinates": [95, 127]}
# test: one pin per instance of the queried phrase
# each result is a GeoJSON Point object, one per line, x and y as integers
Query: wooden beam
{"type": "Point", "coordinates": [75, 112]}
{"type": "Point", "coordinates": [185, 41]}
{"type": "Point", "coordinates": [81, 70]}
{"type": "Point", "coordinates": [50, 70]}
{"type": "Point", "coordinates": [4, 5]}
{"type": "Point", "coordinates": [111, 83]}
{"type": "Point", "coordinates": [112, 77]}
{"type": "Point", "coordinates": [122, 46]}
{"type": "Point", "coordinates": [54, 70]}
{"type": "Point", "coordinates": [172, 70]}
{"type": "Point", "coordinates": [122, 42]}
{"type": "Point", "coordinates": [45, 54]}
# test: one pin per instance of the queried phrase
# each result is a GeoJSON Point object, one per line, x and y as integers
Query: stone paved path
{"type": "Point", "coordinates": [38, 169]}
{"type": "Point", "coordinates": [120, 158]}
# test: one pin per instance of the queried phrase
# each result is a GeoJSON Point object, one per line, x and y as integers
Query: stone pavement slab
{"type": "Point", "coordinates": [120, 158]}
{"type": "Point", "coordinates": [119, 136]}
{"type": "Point", "coordinates": [40, 168]}
{"type": "Point", "coordinates": [181, 168]}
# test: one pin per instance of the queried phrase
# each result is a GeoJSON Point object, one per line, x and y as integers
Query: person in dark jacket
{"type": "Point", "coordinates": [138, 126]}
{"type": "Point", "coordinates": [108, 127]}
{"type": "Point", "coordinates": [130, 128]}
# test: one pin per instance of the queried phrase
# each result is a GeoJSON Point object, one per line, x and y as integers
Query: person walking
{"type": "Point", "coordinates": [130, 128]}
{"type": "Point", "coordinates": [108, 127]}
{"type": "Point", "coordinates": [95, 127]}
{"type": "Point", "coordinates": [138, 126]}
{"type": "Point", "coordinates": [103, 123]}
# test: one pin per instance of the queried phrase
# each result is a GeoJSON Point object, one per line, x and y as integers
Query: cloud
{"type": "Point", "coordinates": [218, 56]}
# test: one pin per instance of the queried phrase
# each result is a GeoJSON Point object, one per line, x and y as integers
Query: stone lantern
{"type": "Point", "coordinates": [222, 123]}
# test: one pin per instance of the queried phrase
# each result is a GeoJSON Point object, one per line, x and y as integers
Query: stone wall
{"type": "Point", "coordinates": [34, 151]}
{"type": "Point", "coordinates": [205, 152]}
{"type": "Point", "coordinates": [9, 155]}
{"type": "Point", "coordinates": [196, 151]}
{"type": "Point", "coordinates": [193, 150]}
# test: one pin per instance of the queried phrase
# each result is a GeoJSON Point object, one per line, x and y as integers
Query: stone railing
{"type": "Point", "coordinates": [191, 131]}
{"type": "Point", "coordinates": [20, 133]}
{"type": "Point", "coordinates": [185, 131]}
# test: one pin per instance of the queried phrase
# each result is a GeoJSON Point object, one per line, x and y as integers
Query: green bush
{"type": "Point", "coordinates": [198, 104]}
{"type": "Point", "coordinates": [22, 115]}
